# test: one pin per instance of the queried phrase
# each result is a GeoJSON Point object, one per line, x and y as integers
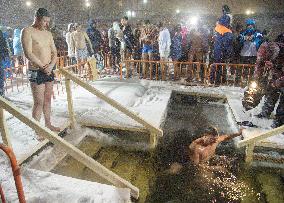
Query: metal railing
{"type": "Point", "coordinates": [16, 173]}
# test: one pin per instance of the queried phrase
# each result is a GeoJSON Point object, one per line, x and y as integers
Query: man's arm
{"type": "Point", "coordinates": [222, 138]}
{"type": "Point", "coordinates": [26, 40]}
{"type": "Point", "coordinates": [53, 52]}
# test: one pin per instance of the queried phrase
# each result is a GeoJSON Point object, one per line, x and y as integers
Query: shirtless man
{"type": "Point", "coordinates": [40, 50]}
{"type": "Point", "coordinates": [202, 149]}
{"type": "Point", "coordinates": [78, 41]}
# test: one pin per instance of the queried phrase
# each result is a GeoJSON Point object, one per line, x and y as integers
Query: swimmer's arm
{"type": "Point", "coordinates": [26, 39]}
{"type": "Point", "coordinates": [89, 41]}
{"type": "Point", "coordinates": [53, 52]}
{"type": "Point", "coordinates": [194, 153]}
{"type": "Point", "coordinates": [222, 138]}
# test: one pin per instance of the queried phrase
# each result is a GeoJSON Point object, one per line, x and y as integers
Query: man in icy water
{"type": "Point", "coordinates": [40, 50]}
{"type": "Point", "coordinates": [204, 148]}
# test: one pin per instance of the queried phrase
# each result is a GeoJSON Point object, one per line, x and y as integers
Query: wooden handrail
{"type": "Point", "coordinates": [110, 101]}
{"type": "Point", "coordinates": [70, 149]}
{"type": "Point", "coordinates": [261, 136]}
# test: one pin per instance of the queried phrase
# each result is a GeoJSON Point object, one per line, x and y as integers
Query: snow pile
{"type": "Point", "coordinates": [57, 189]}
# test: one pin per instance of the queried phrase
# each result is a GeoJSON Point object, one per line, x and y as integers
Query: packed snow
{"type": "Point", "coordinates": [146, 98]}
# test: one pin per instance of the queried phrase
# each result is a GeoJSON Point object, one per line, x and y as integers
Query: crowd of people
{"type": "Point", "coordinates": [160, 42]}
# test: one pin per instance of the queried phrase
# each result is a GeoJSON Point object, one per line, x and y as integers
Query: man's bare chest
{"type": "Point", "coordinates": [79, 37]}
{"type": "Point", "coordinates": [40, 39]}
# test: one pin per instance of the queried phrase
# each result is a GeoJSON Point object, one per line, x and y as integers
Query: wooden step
{"type": "Point", "coordinates": [71, 167]}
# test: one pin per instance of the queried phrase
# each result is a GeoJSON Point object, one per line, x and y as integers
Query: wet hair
{"type": "Point", "coordinates": [42, 12]}
{"type": "Point", "coordinates": [125, 17]}
{"type": "Point", "coordinates": [212, 131]}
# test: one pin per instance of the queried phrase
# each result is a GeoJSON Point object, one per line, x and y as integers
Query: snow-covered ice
{"type": "Point", "coordinates": [148, 99]}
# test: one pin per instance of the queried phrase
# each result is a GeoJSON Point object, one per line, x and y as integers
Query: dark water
{"type": "Point", "coordinates": [223, 179]}
{"type": "Point", "coordinates": [220, 180]}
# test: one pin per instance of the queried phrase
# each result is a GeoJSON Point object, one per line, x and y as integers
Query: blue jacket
{"type": "Point", "coordinates": [176, 47]}
{"type": "Point", "coordinates": [17, 45]}
{"type": "Point", "coordinates": [257, 37]}
{"type": "Point", "coordinates": [4, 52]}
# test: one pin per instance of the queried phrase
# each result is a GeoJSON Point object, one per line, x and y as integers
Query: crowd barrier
{"type": "Point", "coordinates": [193, 72]}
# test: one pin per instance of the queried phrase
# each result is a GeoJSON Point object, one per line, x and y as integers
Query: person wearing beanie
{"type": "Point", "coordinates": [270, 60]}
{"type": "Point", "coordinates": [223, 46]}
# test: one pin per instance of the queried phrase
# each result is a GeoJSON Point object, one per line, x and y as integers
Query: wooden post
{"type": "Point", "coordinates": [153, 140]}
{"type": "Point", "coordinates": [4, 129]}
{"type": "Point", "coordinates": [112, 102]}
{"type": "Point", "coordinates": [120, 67]}
{"type": "Point", "coordinates": [198, 67]}
{"type": "Point", "coordinates": [70, 103]}
{"type": "Point", "coordinates": [256, 138]}
{"type": "Point", "coordinates": [249, 153]}
{"type": "Point", "coordinates": [163, 71]}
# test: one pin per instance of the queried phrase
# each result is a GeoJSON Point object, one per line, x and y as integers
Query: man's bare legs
{"type": "Point", "coordinates": [47, 106]}
{"type": "Point", "coordinates": [38, 96]}
{"type": "Point", "coordinates": [42, 103]}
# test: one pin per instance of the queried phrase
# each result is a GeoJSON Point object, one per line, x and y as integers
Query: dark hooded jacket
{"type": "Point", "coordinates": [94, 35]}
{"type": "Point", "coordinates": [4, 52]}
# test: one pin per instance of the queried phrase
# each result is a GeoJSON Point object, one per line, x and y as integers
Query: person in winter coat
{"type": "Point", "coordinates": [164, 40]}
{"type": "Point", "coordinates": [223, 46]}
{"type": "Point", "coordinates": [68, 36]}
{"type": "Point", "coordinates": [128, 37]}
{"type": "Point", "coordinates": [4, 53]}
{"type": "Point", "coordinates": [270, 59]}
{"type": "Point", "coordinates": [176, 45]}
{"type": "Point", "coordinates": [17, 47]}
{"type": "Point", "coordinates": [198, 50]}
{"type": "Point", "coordinates": [114, 45]}
{"type": "Point", "coordinates": [94, 35]}
{"type": "Point", "coordinates": [250, 40]}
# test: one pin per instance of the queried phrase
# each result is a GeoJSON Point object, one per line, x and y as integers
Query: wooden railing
{"type": "Point", "coordinates": [65, 146]}
{"type": "Point", "coordinates": [250, 142]}
{"type": "Point", "coordinates": [202, 73]}
{"type": "Point", "coordinates": [154, 131]}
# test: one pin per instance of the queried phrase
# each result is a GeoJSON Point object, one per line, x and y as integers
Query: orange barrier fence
{"type": "Point", "coordinates": [17, 77]}
{"type": "Point", "coordinates": [16, 173]}
{"type": "Point", "coordinates": [193, 72]}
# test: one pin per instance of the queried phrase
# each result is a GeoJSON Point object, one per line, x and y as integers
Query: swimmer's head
{"type": "Point", "coordinates": [42, 18]}
{"type": "Point", "coordinates": [212, 131]}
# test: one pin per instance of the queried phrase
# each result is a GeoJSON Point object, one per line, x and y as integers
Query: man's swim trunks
{"type": "Point", "coordinates": [39, 77]}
